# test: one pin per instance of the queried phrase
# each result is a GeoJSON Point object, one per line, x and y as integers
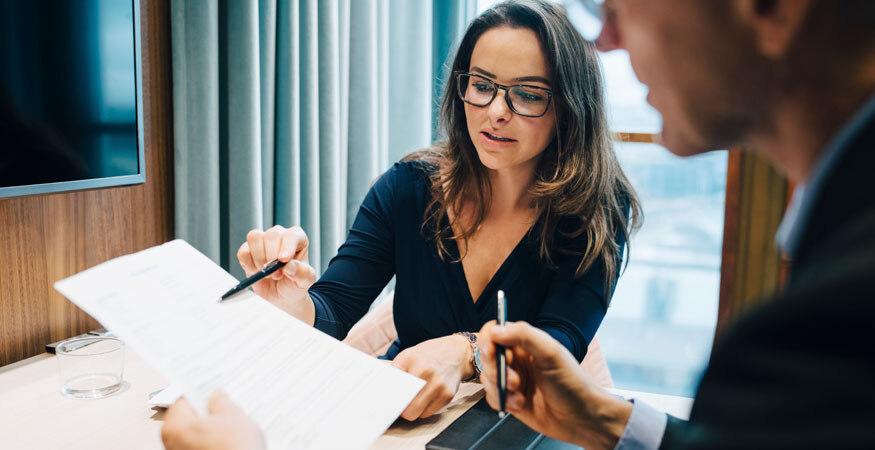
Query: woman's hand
{"type": "Point", "coordinates": [443, 363]}
{"type": "Point", "coordinates": [225, 428]}
{"type": "Point", "coordinates": [548, 390]}
{"type": "Point", "coordinates": [286, 288]}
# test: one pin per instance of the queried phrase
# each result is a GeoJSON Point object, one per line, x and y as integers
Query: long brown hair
{"type": "Point", "coordinates": [578, 175]}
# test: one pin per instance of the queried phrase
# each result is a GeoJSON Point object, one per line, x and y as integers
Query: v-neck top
{"type": "Point", "coordinates": [432, 298]}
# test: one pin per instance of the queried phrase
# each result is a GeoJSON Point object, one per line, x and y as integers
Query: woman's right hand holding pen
{"type": "Point", "coordinates": [548, 390]}
{"type": "Point", "coordinates": [286, 288]}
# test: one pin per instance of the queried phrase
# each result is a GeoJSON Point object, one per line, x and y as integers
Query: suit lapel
{"type": "Point", "coordinates": [845, 194]}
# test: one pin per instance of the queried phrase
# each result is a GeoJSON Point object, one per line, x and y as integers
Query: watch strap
{"type": "Point", "coordinates": [475, 353]}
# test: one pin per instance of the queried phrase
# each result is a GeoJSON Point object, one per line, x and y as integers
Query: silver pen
{"type": "Point", "coordinates": [501, 358]}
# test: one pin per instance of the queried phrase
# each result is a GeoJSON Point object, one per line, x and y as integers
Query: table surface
{"type": "Point", "coordinates": [33, 413]}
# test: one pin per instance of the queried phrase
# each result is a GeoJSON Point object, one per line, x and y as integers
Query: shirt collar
{"type": "Point", "coordinates": [801, 205]}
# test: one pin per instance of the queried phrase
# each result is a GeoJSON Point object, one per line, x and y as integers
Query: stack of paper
{"type": "Point", "coordinates": [304, 388]}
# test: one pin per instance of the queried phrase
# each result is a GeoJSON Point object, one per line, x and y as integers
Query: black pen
{"type": "Point", "coordinates": [501, 358]}
{"type": "Point", "coordinates": [270, 268]}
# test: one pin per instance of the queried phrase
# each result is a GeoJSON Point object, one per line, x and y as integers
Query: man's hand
{"type": "Point", "coordinates": [443, 364]}
{"type": "Point", "coordinates": [225, 428]}
{"type": "Point", "coordinates": [548, 390]}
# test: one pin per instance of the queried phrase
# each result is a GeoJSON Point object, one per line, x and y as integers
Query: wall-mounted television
{"type": "Point", "coordinates": [70, 95]}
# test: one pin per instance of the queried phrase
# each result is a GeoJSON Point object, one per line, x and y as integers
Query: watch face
{"type": "Point", "coordinates": [477, 363]}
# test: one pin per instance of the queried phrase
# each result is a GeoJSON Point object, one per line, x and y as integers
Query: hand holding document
{"type": "Point", "coordinates": [304, 388]}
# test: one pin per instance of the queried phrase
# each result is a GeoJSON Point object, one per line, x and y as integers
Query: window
{"type": "Point", "coordinates": [658, 331]}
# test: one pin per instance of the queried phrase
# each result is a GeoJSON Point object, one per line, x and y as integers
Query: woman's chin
{"type": "Point", "coordinates": [491, 161]}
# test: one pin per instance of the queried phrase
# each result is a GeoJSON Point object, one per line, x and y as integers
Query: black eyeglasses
{"type": "Point", "coordinates": [522, 99]}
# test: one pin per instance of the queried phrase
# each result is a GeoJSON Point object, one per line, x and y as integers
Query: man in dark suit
{"type": "Point", "coordinates": [793, 80]}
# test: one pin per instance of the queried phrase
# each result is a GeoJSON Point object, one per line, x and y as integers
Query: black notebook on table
{"type": "Point", "coordinates": [481, 429]}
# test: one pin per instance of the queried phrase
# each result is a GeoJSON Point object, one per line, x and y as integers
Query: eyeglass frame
{"type": "Point", "coordinates": [506, 89]}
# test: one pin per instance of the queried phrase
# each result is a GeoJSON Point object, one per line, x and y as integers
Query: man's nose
{"type": "Point", "coordinates": [609, 37]}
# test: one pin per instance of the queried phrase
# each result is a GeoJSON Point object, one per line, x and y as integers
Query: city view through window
{"type": "Point", "coordinates": [658, 331]}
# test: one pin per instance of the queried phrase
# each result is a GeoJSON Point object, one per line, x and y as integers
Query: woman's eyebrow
{"type": "Point", "coordinates": [516, 80]}
{"type": "Point", "coordinates": [483, 72]}
{"type": "Point", "coordinates": [532, 78]}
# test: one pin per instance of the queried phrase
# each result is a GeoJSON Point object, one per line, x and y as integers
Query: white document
{"type": "Point", "coordinates": [304, 388]}
{"type": "Point", "coordinates": [166, 397]}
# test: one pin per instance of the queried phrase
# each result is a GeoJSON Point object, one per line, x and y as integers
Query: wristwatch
{"type": "Point", "coordinates": [475, 355]}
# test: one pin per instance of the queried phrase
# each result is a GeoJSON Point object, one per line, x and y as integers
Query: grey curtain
{"type": "Point", "coordinates": [286, 111]}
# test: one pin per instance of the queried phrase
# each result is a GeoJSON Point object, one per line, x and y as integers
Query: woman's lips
{"type": "Point", "coordinates": [492, 139]}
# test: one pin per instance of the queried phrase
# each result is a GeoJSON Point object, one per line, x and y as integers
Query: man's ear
{"type": "Point", "coordinates": [775, 24]}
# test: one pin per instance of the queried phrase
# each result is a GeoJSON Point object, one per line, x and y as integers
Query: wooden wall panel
{"type": "Point", "coordinates": [46, 238]}
{"type": "Point", "coordinates": [756, 197]}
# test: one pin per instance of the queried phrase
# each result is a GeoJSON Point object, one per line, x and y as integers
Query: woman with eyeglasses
{"type": "Point", "coordinates": [524, 194]}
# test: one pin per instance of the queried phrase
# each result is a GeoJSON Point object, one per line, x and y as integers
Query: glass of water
{"type": "Point", "coordinates": [90, 367]}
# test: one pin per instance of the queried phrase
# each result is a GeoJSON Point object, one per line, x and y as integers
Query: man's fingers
{"type": "Point", "coordinates": [516, 402]}
{"type": "Point", "coordinates": [491, 395]}
{"type": "Point", "coordinates": [178, 416]}
{"type": "Point", "coordinates": [221, 404]}
{"type": "Point", "coordinates": [490, 369]}
{"type": "Point", "coordinates": [514, 381]}
{"type": "Point", "coordinates": [490, 366]}
{"type": "Point", "coordinates": [537, 343]}
{"type": "Point", "coordinates": [177, 422]}
{"type": "Point", "coordinates": [487, 348]}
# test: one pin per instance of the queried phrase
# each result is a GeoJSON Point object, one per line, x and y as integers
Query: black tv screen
{"type": "Point", "coordinates": [70, 95]}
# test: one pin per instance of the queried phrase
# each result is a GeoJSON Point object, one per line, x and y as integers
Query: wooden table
{"type": "Point", "coordinates": [34, 415]}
